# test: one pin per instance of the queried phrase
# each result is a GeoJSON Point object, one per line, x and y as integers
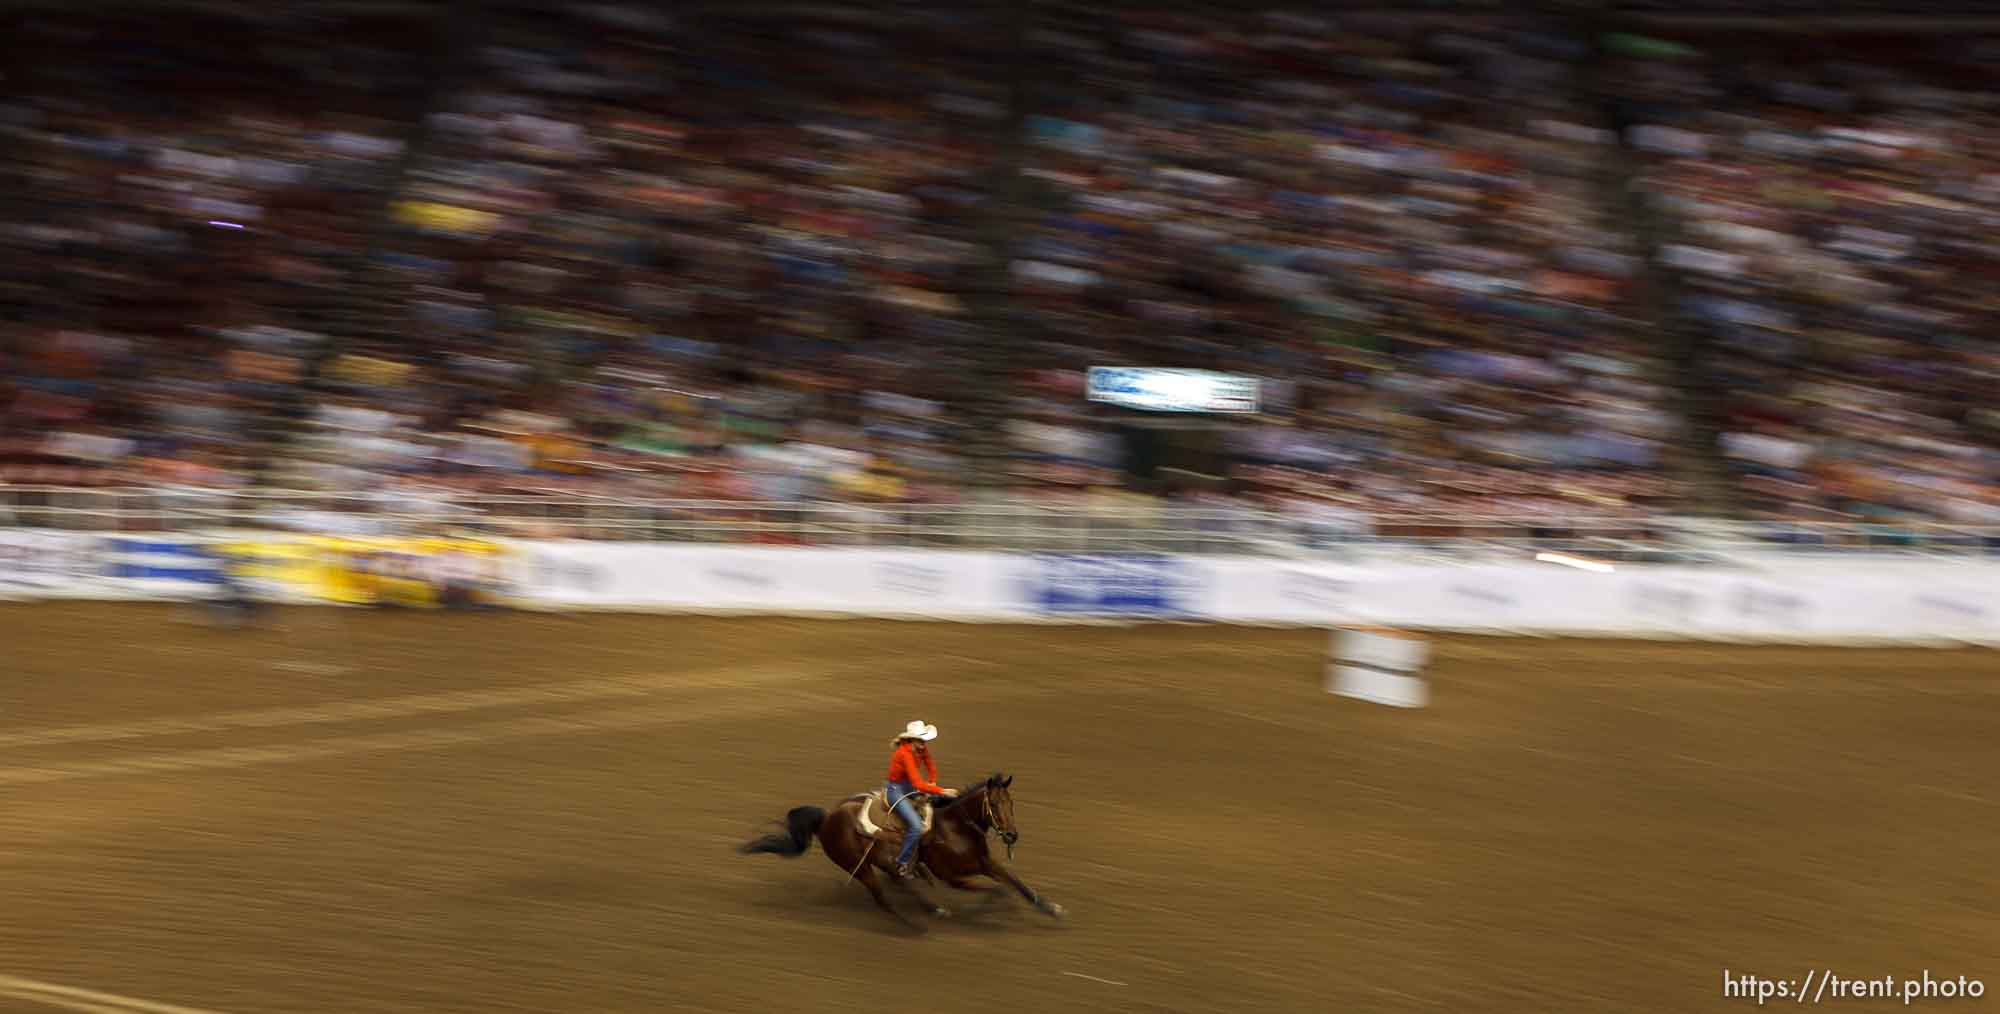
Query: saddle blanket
{"type": "Point", "coordinates": [877, 817]}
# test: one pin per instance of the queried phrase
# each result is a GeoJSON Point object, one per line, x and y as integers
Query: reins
{"type": "Point", "coordinates": [872, 842]}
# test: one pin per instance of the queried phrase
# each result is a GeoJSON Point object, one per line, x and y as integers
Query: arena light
{"type": "Point", "coordinates": [1566, 560]}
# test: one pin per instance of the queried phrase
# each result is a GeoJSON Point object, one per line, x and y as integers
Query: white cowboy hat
{"type": "Point", "coordinates": [918, 730]}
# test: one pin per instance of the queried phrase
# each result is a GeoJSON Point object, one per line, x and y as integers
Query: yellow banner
{"type": "Point", "coordinates": [371, 570]}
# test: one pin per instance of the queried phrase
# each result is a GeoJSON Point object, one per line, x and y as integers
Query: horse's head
{"type": "Point", "coordinates": [996, 806]}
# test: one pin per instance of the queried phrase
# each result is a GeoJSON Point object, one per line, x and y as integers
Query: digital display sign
{"type": "Point", "coordinates": [1168, 390]}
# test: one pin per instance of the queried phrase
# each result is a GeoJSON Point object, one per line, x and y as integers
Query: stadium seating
{"type": "Point", "coordinates": [860, 253]}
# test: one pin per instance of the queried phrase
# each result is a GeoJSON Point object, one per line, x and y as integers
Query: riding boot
{"type": "Point", "coordinates": [905, 870]}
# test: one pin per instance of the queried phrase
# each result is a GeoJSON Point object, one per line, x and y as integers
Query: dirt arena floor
{"type": "Point", "coordinates": [380, 812]}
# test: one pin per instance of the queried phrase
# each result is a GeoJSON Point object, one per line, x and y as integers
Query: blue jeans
{"type": "Point", "coordinates": [906, 808]}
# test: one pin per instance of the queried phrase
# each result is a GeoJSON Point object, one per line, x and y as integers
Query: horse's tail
{"type": "Point", "coordinates": [800, 826]}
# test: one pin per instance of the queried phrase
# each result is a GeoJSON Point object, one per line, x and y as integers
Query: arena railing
{"type": "Point", "coordinates": [1007, 526]}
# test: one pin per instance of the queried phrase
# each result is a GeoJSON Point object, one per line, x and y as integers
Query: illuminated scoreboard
{"type": "Point", "coordinates": [1167, 390]}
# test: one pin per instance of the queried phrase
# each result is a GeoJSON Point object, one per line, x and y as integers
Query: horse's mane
{"type": "Point", "coordinates": [964, 794]}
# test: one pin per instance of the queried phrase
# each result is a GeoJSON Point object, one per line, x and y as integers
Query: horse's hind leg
{"type": "Point", "coordinates": [931, 908]}
{"type": "Point", "coordinates": [1006, 876]}
{"type": "Point", "coordinates": [873, 882]}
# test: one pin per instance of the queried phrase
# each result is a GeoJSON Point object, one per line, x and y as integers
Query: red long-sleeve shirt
{"type": "Point", "coordinates": [913, 768]}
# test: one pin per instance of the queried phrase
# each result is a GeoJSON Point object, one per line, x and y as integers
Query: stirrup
{"type": "Point", "coordinates": [906, 871]}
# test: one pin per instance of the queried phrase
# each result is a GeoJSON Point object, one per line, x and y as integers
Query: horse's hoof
{"type": "Point", "coordinates": [1053, 910]}
{"type": "Point", "coordinates": [940, 912]}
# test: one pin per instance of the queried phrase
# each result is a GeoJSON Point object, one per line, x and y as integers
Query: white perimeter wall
{"type": "Point", "coordinates": [1854, 601]}
{"type": "Point", "coordinates": [1821, 601]}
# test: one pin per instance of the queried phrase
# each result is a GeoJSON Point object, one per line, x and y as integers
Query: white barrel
{"type": "Point", "coordinates": [1383, 666]}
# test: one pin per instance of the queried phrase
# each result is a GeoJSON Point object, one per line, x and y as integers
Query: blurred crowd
{"type": "Point", "coordinates": [1829, 218]}
{"type": "Point", "coordinates": [1399, 226]}
{"type": "Point", "coordinates": [650, 259]}
{"type": "Point", "coordinates": [181, 202]}
{"type": "Point", "coordinates": [863, 257]}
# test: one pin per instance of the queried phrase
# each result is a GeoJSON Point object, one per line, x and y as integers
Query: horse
{"type": "Point", "coordinates": [954, 851]}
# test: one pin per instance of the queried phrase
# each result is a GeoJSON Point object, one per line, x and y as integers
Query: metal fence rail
{"type": "Point", "coordinates": [1016, 526]}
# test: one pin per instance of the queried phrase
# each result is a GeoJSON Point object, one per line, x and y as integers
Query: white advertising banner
{"type": "Point", "coordinates": [1943, 602]}
{"type": "Point", "coordinates": [863, 582]}
{"type": "Point", "coordinates": [1816, 602]}
{"type": "Point", "coordinates": [44, 564]}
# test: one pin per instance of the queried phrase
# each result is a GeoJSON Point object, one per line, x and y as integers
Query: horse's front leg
{"type": "Point", "coordinates": [990, 895]}
{"type": "Point", "coordinates": [1006, 876]}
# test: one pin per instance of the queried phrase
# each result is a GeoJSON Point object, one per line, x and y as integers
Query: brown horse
{"type": "Point", "coordinates": [954, 851]}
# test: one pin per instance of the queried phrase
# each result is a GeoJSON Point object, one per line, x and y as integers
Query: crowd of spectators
{"type": "Point", "coordinates": [651, 259]}
{"type": "Point", "coordinates": [1830, 218]}
{"type": "Point", "coordinates": [178, 231]}
{"type": "Point", "coordinates": [720, 256]}
{"type": "Point", "coordinates": [1401, 226]}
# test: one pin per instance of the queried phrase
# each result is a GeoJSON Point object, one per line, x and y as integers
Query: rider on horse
{"type": "Point", "coordinates": [911, 770]}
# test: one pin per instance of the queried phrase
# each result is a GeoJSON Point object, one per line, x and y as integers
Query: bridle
{"type": "Point", "coordinates": [990, 814]}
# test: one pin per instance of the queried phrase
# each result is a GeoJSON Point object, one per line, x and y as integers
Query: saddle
{"type": "Point", "coordinates": [878, 819]}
